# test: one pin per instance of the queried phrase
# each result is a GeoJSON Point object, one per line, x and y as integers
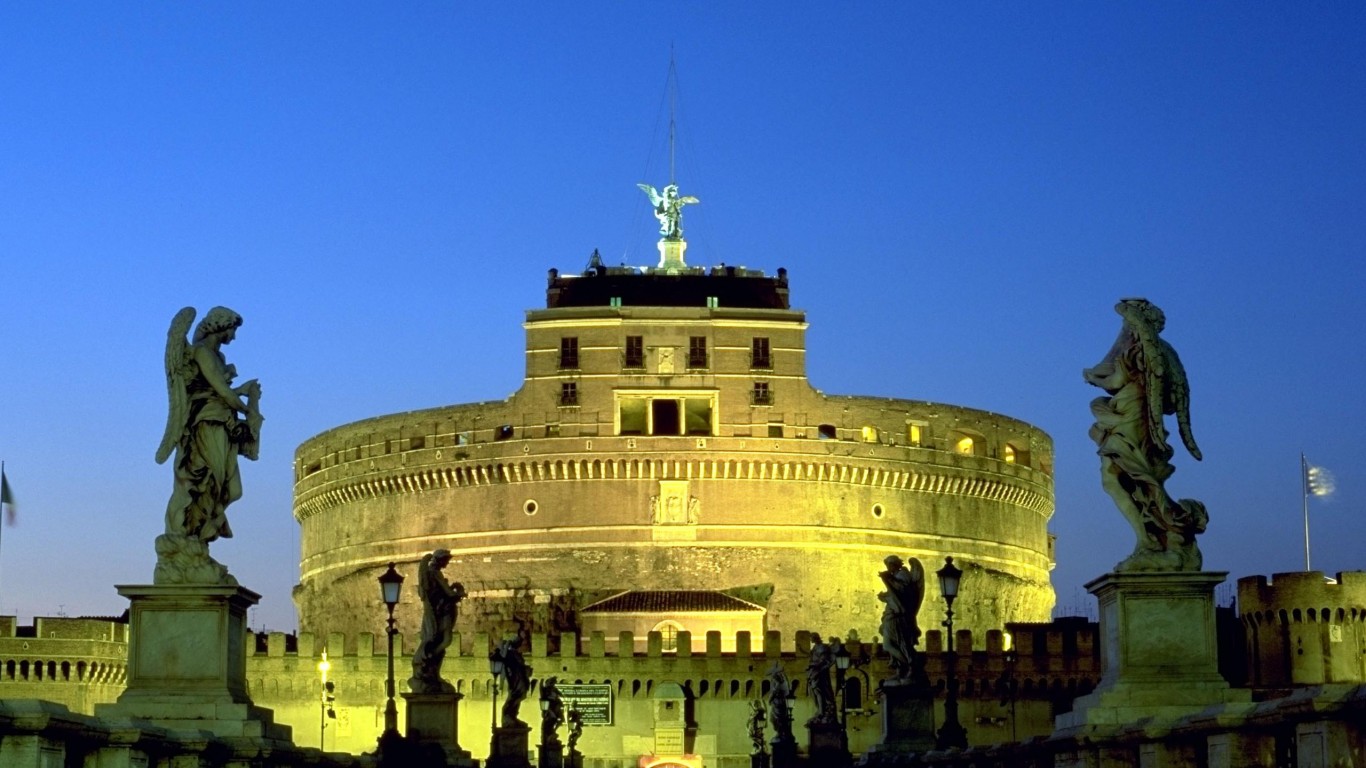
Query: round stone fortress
{"type": "Point", "coordinates": [666, 444]}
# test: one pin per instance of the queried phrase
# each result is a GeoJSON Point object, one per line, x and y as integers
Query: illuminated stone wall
{"type": "Point", "coordinates": [1302, 630]}
{"type": "Point", "coordinates": [783, 495]}
{"type": "Point", "coordinates": [1053, 664]}
{"type": "Point", "coordinates": [75, 662]}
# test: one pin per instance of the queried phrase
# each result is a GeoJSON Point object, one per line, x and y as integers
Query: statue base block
{"type": "Point", "coordinates": [434, 719]}
{"type": "Point", "coordinates": [784, 753]}
{"type": "Point", "coordinates": [907, 717]}
{"type": "Point", "coordinates": [187, 662]}
{"type": "Point", "coordinates": [1158, 648]}
{"type": "Point", "coordinates": [825, 744]}
{"type": "Point", "coordinates": [550, 755]}
{"type": "Point", "coordinates": [509, 749]}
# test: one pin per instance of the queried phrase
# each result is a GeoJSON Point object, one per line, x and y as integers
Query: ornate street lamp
{"type": "Point", "coordinates": [390, 585]}
{"type": "Point", "coordinates": [842, 662]}
{"type": "Point", "coordinates": [952, 734]}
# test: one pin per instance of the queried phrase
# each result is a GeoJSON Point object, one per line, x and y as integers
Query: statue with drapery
{"type": "Point", "coordinates": [905, 592]}
{"type": "Point", "coordinates": [440, 604]}
{"type": "Point", "coordinates": [210, 423]}
{"type": "Point", "coordinates": [1144, 381]}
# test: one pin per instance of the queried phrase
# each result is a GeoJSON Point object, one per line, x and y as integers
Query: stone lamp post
{"type": "Point", "coordinates": [952, 733]}
{"type": "Point", "coordinates": [390, 586]}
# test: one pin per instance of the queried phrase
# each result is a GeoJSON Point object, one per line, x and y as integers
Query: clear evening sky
{"type": "Point", "coordinates": [959, 192]}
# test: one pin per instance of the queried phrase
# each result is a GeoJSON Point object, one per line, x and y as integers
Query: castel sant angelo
{"type": "Point", "coordinates": [667, 466]}
{"type": "Point", "coordinates": [662, 523]}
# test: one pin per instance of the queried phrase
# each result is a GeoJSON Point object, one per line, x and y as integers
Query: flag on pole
{"type": "Point", "coordinates": [1319, 481]}
{"type": "Point", "coordinates": [7, 499]}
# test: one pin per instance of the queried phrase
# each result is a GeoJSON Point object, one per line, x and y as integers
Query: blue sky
{"type": "Point", "coordinates": [960, 192]}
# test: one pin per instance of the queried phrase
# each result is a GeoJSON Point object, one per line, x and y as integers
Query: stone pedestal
{"type": "Point", "coordinates": [187, 662]}
{"type": "Point", "coordinates": [758, 760]}
{"type": "Point", "coordinates": [509, 749]}
{"type": "Point", "coordinates": [550, 755]}
{"type": "Point", "coordinates": [1158, 649]}
{"type": "Point", "coordinates": [671, 254]}
{"type": "Point", "coordinates": [434, 719]}
{"type": "Point", "coordinates": [825, 744]}
{"type": "Point", "coordinates": [907, 717]}
{"type": "Point", "coordinates": [784, 752]}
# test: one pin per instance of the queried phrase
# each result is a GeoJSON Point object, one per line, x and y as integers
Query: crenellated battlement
{"type": "Point", "coordinates": [1303, 596]}
{"type": "Point", "coordinates": [1060, 655]}
{"type": "Point", "coordinates": [1303, 629]}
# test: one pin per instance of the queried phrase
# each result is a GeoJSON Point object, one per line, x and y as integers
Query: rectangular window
{"type": "Point", "coordinates": [697, 415]}
{"type": "Point", "coordinates": [759, 354]}
{"type": "Point", "coordinates": [762, 394]}
{"type": "Point", "coordinates": [633, 418]}
{"type": "Point", "coordinates": [775, 430]}
{"type": "Point", "coordinates": [635, 352]}
{"type": "Point", "coordinates": [697, 352]}
{"type": "Point", "coordinates": [569, 393]}
{"type": "Point", "coordinates": [569, 352]}
{"type": "Point", "coordinates": [915, 434]}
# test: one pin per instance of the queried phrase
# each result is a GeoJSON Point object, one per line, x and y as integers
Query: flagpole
{"type": "Point", "coordinates": [1304, 485]}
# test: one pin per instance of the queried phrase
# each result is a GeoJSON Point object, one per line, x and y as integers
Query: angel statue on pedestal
{"type": "Point", "coordinates": [210, 423]}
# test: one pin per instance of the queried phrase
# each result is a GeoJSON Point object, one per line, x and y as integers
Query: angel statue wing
{"type": "Point", "coordinates": [917, 585]}
{"type": "Point", "coordinates": [176, 350]}
{"type": "Point", "coordinates": [1177, 397]}
{"type": "Point", "coordinates": [655, 198]}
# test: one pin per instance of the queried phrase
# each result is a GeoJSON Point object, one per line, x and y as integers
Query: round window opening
{"type": "Point", "coordinates": [877, 510]}
{"type": "Point", "coordinates": [531, 507]}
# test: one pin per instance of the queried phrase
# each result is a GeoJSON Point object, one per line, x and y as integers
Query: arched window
{"type": "Point", "coordinates": [853, 694]}
{"type": "Point", "coordinates": [964, 445]}
{"type": "Point", "coordinates": [1008, 453]}
{"type": "Point", "coordinates": [668, 634]}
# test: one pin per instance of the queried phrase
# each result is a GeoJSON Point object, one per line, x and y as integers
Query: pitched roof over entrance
{"type": "Point", "coordinates": [673, 601]}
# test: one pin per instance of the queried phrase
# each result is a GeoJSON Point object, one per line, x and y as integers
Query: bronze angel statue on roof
{"type": "Point", "coordinates": [668, 209]}
{"type": "Point", "coordinates": [1144, 381]}
{"type": "Point", "coordinates": [210, 423]}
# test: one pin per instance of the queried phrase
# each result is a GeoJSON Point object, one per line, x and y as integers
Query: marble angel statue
{"type": "Point", "coordinates": [1144, 381]}
{"type": "Point", "coordinates": [210, 423]}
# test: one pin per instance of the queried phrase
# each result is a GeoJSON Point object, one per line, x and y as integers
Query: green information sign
{"type": "Point", "coordinates": [594, 702]}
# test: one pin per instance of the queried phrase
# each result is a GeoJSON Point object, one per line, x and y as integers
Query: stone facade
{"type": "Point", "coordinates": [666, 438]}
{"type": "Point", "coordinates": [1302, 629]}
